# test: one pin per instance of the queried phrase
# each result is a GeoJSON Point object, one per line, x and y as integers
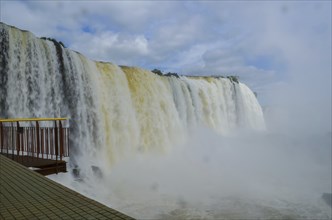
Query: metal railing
{"type": "Point", "coordinates": [34, 140]}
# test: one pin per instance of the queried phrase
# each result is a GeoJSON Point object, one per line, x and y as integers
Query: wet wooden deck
{"type": "Point", "coordinates": [24, 194]}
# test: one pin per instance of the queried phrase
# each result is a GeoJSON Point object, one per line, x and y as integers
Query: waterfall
{"type": "Point", "coordinates": [114, 109]}
{"type": "Point", "coordinates": [163, 146]}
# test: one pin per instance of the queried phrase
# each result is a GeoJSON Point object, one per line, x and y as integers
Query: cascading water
{"type": "Point", "coordinates": [114, 109]}
{"type": "Point", "coordinates": [122, 119]}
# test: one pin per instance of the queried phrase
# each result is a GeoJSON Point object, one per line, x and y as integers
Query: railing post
{"type": "Point", "coordinates": [67, 142]}
{"type": "Point", "coordinates": [22, 144]}
{"type": "Point", "coordinates": [12, 139]}
{"type": "Point", "coordinates": [47, 142]}
{"type": "Point", "coordinates": [1, 136]}
{"type": "Point", "coordinates": [42, 143]}
{"type": "Point", "coordinates": [37, 139]}
{"type": "Point", "coordinates": [27, 140]}
{"type": "Point", "coordinates": [33, 142]}
{"type": "Point", "coordinates": [56, 145]}
{"type": "Point", "coordinates": [61, 139]}
{"type": "Point", "coordinates": [17, 140]}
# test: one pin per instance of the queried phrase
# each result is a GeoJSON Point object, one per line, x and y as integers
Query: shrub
{"type": "Point", "coordinates": [233, 78]}
{"type": "Point", "coordinates": [172, 74]}
{"type": "Point", "coordinates": [54, 41]}
{"type": "Point", "coordinates": [158, 72]}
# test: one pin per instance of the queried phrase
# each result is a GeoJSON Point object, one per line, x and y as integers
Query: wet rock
{"type": "Point", "coordinates": [76, 172]}
{"type": "Point", "coordinates": [97, 171]}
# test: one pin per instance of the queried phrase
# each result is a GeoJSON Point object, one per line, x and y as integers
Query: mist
{"type": "Point", "coordinates": [248, 175]}
{"type": "Point", "coordinates": [301, 102]}
{"type": "Point", "coordinates": [280, 173]}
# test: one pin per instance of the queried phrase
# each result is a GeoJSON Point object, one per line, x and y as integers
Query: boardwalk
{"type": "Point", "coordinates": [41, 143]}
{"type": "Point", "coordinates": [25, 194]}
{"type": "Point", "coordinates": [42, 166]}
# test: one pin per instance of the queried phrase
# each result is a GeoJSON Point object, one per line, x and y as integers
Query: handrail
{"type": "Point", "coordinates": [35, 141]}
{"type": "Point", "coordinates": [32, 119]}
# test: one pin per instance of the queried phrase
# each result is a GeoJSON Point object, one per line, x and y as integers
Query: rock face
{"type": "Point", "coordinates": [327, 197]}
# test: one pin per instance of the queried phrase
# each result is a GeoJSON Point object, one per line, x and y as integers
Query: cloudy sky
{"type": "Point", "coordinates": [269, 44]}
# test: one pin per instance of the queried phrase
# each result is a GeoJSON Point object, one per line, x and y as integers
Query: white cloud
{"type": "Point", "coordinates": [200, 37]}
{"type": "Point", "coordinates": [118, 48]}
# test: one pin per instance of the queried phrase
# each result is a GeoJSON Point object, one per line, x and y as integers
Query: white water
{"type": "Point", "coordinates": [115, 111]}
{"type": "Point", "coordinates": [148, 144]}
{"type": "Point", "coordinates": [247, 176]}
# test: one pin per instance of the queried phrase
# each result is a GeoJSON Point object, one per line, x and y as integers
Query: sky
{"type": "Point", "coordinates": [280, 49]}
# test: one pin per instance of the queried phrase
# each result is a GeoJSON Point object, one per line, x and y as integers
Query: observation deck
{"type": "Point", "coordinates": [25, 194]}
{"type": "Point", "coordinates": [38, 143]}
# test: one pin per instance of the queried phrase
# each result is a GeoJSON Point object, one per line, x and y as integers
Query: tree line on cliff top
{"type": "Point", "coordinates": [160, 73]}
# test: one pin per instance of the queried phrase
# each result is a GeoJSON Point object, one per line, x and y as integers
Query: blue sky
{"type": "Point", "coordinates": [274, 46]}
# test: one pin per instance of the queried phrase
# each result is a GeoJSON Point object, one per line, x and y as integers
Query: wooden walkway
{"type": "Point", "coordinates": [25, 194]}
{"type": "Point", "coordinates": [40, 165]}
{"type": "Point", "coordinates": [39, 143]}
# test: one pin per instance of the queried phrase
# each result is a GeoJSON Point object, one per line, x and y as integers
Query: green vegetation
{"type": "Point", "coordinates": [172, 74]}
{"type": "Point", "coordinates": [217, 76]}
{"type": "Point", "coordinates": [233, 78]}
{"type": "Point", "coordinates": [54, 41]}
{"type": "Point", "coordinates": [158, 72]}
